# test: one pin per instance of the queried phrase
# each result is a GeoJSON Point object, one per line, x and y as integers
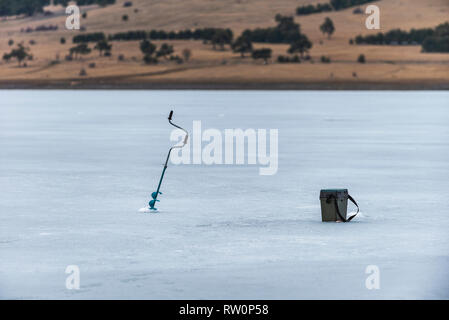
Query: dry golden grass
{"type": "Point", "coordinates": [384, 63]}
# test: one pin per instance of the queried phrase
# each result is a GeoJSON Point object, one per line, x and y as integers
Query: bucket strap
{"type": "Point", "coordinates": [338, 210]}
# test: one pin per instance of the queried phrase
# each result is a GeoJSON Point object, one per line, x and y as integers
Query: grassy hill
{"type": "Point", "coordinates": [386, 66]}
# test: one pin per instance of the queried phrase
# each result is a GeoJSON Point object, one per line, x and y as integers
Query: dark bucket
{"type": "Point", "coordinates": [334, 205]}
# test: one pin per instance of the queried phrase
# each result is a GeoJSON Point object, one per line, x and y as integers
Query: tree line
{"type": "Point", "coordinates": [89, 37]}
{"type": "Point", "coordinates": [102, 3]}
{"type": "Point", "coordinates": [216, 36]}
{"type": "Point", "coordinates": [286, 31]}
{"type": "Point", "coordinates": [431, 40]}
{"type": "Point", "coordinates": [197, 34]}
{"type": "Point", "coordinates": [333, 5]}
{"type": "Point", "coordinates": [18, 7]}
{"type": "Point", "coordinates": [30, 7]}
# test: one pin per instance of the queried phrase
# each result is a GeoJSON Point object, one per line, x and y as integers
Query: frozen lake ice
{"type": "Point", "coordinates": [76, 166]}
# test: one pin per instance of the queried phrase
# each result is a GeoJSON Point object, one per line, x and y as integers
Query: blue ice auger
{"type": "Point", "coordinates": [154, 195]}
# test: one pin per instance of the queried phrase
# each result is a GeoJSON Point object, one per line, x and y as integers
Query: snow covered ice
{"type": "Point", "coordinates": [76, 167]}
{"type": "Point", "coordinates": [147, 210]}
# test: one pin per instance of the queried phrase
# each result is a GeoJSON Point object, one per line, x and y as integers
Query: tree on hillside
{"type": "Point", "coordinates": [80, 49]}
{"type": "Point", "coordinates": [442, 30]}
{"type": "Point", "coordinates": [103, 45]}
{"type": "Point", "coordinates": [301, 45]}
{"type": "Point", "coordinates": [361, 59]}
{"type": "Point", "coordinates": [20, 53]}
{"type": "Point", "coordinates": [264, 53]}
{"type": "Point", "coordinates": [165, 50]}
{"type": "Point", "coordinates": [242, 45]}
{"type": "Point", "coordinates": [327, 27]}
{"type": "Point", "coordinates": [148, 49]}
{"type": "Point", "coordinates": [7, 57]}
{"type": "Point", "coordinates": [439, 42]}
{"type": "Point", "coordinates": [286, 23]}
{"type": "Point", "coordinates": [103, 3]}
{"type": "Point", "coordinates": [186, 53]}
{"type": "Point", "coordinates": [286, 31]}
{"type": "Point", "coordinates": [221, 38]}
{"type": "Point", "coordinates": [436, 44]}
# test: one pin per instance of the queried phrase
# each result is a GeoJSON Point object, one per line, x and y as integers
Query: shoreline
{"type": "Point", "coordinates": [96, 84]}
